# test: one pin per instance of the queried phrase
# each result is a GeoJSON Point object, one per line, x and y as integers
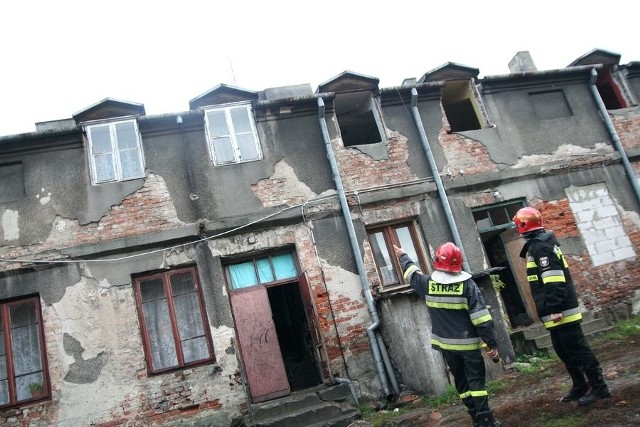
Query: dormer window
{"type": "Point", "coordinates": [115, 151]}
{"type": "Point", "coordinates": [231, 135]}
{"type": "Point", "coordinates": [358, 118]}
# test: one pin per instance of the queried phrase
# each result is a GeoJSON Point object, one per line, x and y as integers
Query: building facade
{"type": "Point", "coordinates": [193, 264]}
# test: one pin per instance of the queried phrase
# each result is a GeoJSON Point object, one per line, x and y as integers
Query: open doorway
{"type": "Point", "coordinates": [294, 336]}
{"type": "Point", "coordinates": [502, 246]}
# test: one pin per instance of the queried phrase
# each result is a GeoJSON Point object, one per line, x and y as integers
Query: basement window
{"type": "Point", "coordinates": [231, 135]}
{"type": "Point", "coordinates": [173, 320]}
{"type": "Point", "coordinates": [382, 239]}
{"type": "Point", "coordinates": [265, 270]}
{"type": "Point", "coordinates": [115, 150]}
{"type": "Point", "coordinates": [462, 107]}
{"type": "Point", "coordinates": [550, 105]}
{"type": "Point", "coordinates": [23, 365]}
{"type": "Point", "coordinates": [358, 119]}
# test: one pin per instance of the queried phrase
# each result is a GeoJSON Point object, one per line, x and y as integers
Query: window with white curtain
{"type": "Point", "coordinates": [231, 135]}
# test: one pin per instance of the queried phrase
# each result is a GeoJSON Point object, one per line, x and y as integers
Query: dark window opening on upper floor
{"type": "Point", "coordinates": [358, 119]}
{"type": "Point", "coordinates": [550, 104]}
{"type": "Point", "coordinates": [610, 91]}
{"type": "Point", "coordinates": [461, 106]}
{"type": "Point", "coordinates": [12, 177]}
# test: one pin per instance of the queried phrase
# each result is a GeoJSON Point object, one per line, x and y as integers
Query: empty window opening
{"type": "Point", "coordinates": [461, 106]}
{"type": "Point", "coordinates": [382, 239]}
{"type": "Point", "coordinates": [550, 105]}
{"type": "Point", "coordinates": [610, 91]}
{"type": "Point", "coordinates": [358, 119]}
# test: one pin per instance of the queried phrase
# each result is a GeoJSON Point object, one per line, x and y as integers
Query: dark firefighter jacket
{"type": "Point", "coordinates": [550, 280]}
{"type": "Point", "coordinates": [459, 317]}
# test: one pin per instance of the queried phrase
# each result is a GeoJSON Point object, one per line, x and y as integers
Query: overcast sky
{"type": "Point", "coordinates": [59, 57]}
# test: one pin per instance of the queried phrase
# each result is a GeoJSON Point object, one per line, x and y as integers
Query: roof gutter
{"type": "Point", "coordinates": [604, 114]}
{"type": "Point", "coordinates": [376, 348]}
{"type": "Point", "coordinates": [436, 176]}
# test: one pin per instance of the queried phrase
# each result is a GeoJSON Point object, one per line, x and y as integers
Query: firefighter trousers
{"type": "Point", "coordinates": [467, 368]}
{"type": "Point", "coordinates": [572, 348]}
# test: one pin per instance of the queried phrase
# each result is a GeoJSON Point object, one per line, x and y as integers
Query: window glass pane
{"type": "Point", "coordinates": [188, 316]}
{"type": "Point", "coordinates": [104, 168]}
{"type": "Point", "coordinates": [247, 147]}
{"type": "Point", "coordinates": [284, 266]}
{"type": "Point", "coordinates": [152, 289]}
{"type": "Point", "coordinates": [126, 135]}
{"type": "Point", "coordinates": [241, 120]}
{"type": "Point", "coordinates": [4, 385]}
{"type": "Point", "coordinates": [25, 341]}
{"type": "Point", "coordinates": [130, 164]}
{"type": "Point", "coordinates": [182, 283]}
{"type": "Point", "coordinates": [22, 385]}
{"type": "Point", "coordinates": [223, 150]}
{"type": "Point", "coordinates": [4, 392]}
{"type": "Point", "coordinates": [160, 334]}
{"type": "Point", "coordinates": [264, 270]}
{"type": "Point", "coordinates": [499, 216]}
{"type": "Point", "coordinates": [406, 243]}
{"type": "Point", "coordinates": [195, 349]}
{"type": "Point", "coordinates": [381, 254]}
{"type": "Point", "coordinates": [242, 275]}
{"type": "Point", "coordinates": [217, 123]}
{"type": "Point", "coordinates": [100, 139]}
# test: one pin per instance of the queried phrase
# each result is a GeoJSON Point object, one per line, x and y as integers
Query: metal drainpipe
{"type": "Point", "coordinates": [371, 330]}
{"type": "Point", "coordinates": [436, 177]}
{"type": "Point", "coordinates": [614, 135]}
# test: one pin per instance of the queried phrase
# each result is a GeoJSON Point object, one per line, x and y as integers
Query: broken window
{"type": "Point", "coordinates": [173, 320]}
{"type": "Point", "coordinates": [496, 217]}
{"type": "Point", "coordinates": [261, 271]}
{"type": "Point", "coordinates": [358, 118]}
{"type": "Point", "coordinates": [551, 104]}
{"type": "Point", "coordinates": [382, 239]}
{"type": "Point", "coordinates": [462, 107]}
{"type": "Point", "coordinates": [610, 90]}
{"type": "Point", "coordinates": [231, 135]}
{"type": "Point", "coordinates": [23, 369]}
{"type": "Point", "coordinates": [115, 151]}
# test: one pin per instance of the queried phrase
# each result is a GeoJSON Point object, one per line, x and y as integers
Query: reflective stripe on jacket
{"type": "Point", "coordinates": [459, 317]}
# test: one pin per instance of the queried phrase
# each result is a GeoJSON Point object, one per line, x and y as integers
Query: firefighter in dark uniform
{"type": "Point", "coordinates": [460, 324]}
{"type": "Point", "coordinates": [557, 306]}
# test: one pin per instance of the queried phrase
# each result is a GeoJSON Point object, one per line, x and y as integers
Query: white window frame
{"type": "Point", "coordinates": [115, 152]}
{"type": "Point", "coordinates": [237, 157]}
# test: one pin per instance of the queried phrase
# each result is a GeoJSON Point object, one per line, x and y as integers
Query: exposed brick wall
{"type": "Point", "coordinates": [597, 287]}
{"type": "Point", "coordinates": [359, 170]}
{"type": "Point", "coordinates": [627, 127]}
{"type": "Point", "coordinates": [147, 210]}
{"type": "Point", "coordinates": [464, 154]}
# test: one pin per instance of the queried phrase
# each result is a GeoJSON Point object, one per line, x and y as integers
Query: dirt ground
{"type": "Point", "coordinates": [531, 400]}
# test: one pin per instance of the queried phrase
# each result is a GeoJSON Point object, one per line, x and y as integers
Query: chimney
{"type": "Point", "coordinates": [522, 62]}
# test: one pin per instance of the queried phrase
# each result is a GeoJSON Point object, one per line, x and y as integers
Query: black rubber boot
{"type": "Point", "coordinates": [579, 388]}
{"type": "Point", "coordinates": [598, 390]}
{"type": "Point", "coordinates": [474, 417]}
{"type": "Point", "coordinates": [485, 419]}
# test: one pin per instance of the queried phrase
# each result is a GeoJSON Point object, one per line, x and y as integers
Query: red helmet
{"type": "Point", "coordinates": [448, 258]}
{"type": "Point", "coordinates": [528, 219]}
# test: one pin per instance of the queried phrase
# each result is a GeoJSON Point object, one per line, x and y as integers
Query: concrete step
{"type": "Point", "coordinates": [322, 405]}
{"type": "Point", "coordinates": [536, 337]}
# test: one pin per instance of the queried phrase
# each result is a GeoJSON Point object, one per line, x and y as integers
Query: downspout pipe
{"type": "Point", "coordinates": [614, 135]}
{"type": "Point", "coordinates": [436, 177]}
{"type": "Point", "coordinates": [371, 330]}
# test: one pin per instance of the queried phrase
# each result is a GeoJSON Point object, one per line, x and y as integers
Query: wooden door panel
{"type": "Point", "coordinates": [259, 346]}
{"type": "Point", "coordinates": [314, 327]}
{"type": "Point", "coordinates": [513, 245]}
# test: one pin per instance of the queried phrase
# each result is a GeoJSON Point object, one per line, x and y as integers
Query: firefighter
{"type": "Point", "coordinates": [460, 323]}
{"type": "Point", "coordinates": [557, 306]}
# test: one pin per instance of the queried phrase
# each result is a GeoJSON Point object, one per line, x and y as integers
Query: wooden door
{"type": "Point", "coordinates": [314, 327]}
{"type": "Point", "coordinates": [513, 245]}
{"type": "Point", "coordinates": [259, 346]}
